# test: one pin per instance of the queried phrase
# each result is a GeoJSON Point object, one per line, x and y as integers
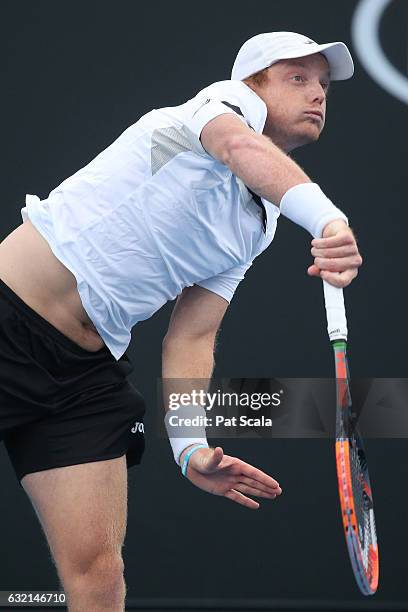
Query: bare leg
{"type": "Point", "coordinates": [83, 512]}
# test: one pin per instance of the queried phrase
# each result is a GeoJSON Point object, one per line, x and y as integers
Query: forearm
{"type": "Point", "coordinates": [271, 174]}
{"type": "Point", "coordinates": [187, 365]}
{"type": "Point", "coordinates": [263, 167]}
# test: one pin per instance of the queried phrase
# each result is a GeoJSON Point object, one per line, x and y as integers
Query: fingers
{"type": "Point", "coordinates": [244, 488]}
{"type": "Point", "coordinates": [343, 238]}
{"type": "Point", "coordinates": [339, 279]}
{"type": "Point", "coordinates": [313, 271]}
{"type": "Point", "coordinates": [230, 477]}
{"type": "Point", "coordinates": [260, 478]}
{"type": "Point", "coordinates": [338, 264]}
{"type": "Point", "coordinates": [241, 499]}
{"type": "Point", "coordinates": [337, 258]}
{"type": "Point", "coordinates": [346, 250]}
{"type": "Point", "coordinates": [257, 488]}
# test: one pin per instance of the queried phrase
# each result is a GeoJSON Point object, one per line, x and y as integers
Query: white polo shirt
{"type": "Point", "coordinates": [154, 213]}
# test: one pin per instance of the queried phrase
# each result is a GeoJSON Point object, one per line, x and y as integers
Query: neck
{"type": "Point", "coordinates": [279, 139]}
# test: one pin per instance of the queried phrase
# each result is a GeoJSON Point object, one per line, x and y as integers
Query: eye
{"type": "Point", "coordinates": [325, 85]}
{"type": "Point", "coordinates": [298, 78]}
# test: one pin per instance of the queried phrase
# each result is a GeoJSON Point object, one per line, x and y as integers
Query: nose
{"type": "Point", "coordinates": [318, 94]}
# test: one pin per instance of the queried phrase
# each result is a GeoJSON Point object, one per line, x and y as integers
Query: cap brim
{"type": "Point", "coordinates": [337, 54]}
{"type": "Point", "coordinates": [340, 61]}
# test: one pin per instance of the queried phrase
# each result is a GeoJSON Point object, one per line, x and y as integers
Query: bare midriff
{"type": "Point", "coordinates": [29, 267]}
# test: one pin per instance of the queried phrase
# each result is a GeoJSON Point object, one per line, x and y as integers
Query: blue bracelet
{"type": "Point", "coordinates": [188, 455]}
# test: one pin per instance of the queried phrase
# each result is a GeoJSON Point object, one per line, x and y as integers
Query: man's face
{"type": "Point", "coordinates": [295, 95]}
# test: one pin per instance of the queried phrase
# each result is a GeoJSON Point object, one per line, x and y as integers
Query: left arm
{"type": "Point", "coordinates": [187, 361]}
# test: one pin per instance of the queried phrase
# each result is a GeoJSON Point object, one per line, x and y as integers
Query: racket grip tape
{"type": "Point", "coordinates": [335, 312]}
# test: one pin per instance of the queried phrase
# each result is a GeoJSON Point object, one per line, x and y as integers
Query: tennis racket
{"type": "Point", "coordinates": [356, 500]}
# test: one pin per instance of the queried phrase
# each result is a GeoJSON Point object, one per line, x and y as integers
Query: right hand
{"type": "Point", "coordinates": [336, 255]}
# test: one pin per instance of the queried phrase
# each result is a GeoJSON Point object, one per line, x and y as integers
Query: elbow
{"type": "Point", "coordinates": [242, 146]}
{"type": "Point", "coordinates": [167, 343]}
{"type": "Point", "coordinates": [181, 342]}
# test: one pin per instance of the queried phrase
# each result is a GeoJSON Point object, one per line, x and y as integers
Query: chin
{"type": "Point", "coordinates": [307, 136]}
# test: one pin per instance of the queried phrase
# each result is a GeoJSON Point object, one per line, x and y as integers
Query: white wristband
{"type": "Point", "coordinates": [185, 426]}
{"type": "Point", "coordinates": [307, 206]}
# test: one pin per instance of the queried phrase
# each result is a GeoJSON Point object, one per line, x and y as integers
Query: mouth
{"type": "Point", "coordinates": [318, 115]}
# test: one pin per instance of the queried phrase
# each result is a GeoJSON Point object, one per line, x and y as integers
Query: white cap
{"type": "Point", "coordinates": [263, 50]}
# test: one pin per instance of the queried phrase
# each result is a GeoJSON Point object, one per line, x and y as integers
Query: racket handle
{"type": "Point", "coordinates": [335, 312]}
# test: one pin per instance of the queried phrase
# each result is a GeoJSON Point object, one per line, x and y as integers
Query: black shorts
{"type": "Point", "coordinates": [59, 403]}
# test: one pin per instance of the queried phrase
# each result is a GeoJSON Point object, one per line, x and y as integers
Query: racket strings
{"type": "Point", "coordinates": [363, 504]}
{"type": "Point", "coordinates": [354, 484]}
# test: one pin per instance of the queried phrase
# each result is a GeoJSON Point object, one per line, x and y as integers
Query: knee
{"type": "Point", "coordinates": [97, 579]}
{"type": "Point", "coordinates": [106, 568]}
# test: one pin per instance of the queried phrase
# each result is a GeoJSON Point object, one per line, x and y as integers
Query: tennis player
{"type": "Point", "coordinates": [179, 205]}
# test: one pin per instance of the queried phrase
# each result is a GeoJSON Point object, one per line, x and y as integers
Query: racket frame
{"type": "Point", "coordinates": [337, 331]}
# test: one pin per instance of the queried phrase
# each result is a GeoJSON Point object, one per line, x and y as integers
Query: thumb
{"type": "Point", "coordinates": [313, 270]}
{"type": "Point", "coordinates": [211, 462]}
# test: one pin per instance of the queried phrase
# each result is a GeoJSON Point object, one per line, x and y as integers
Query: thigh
{"type": "Point", "coordinates": [82, 509]}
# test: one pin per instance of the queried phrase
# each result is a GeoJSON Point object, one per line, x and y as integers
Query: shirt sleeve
{"type": "Point", "coordinates": [225, 283]}
{"type": "Point", "coordinates": [225, 97]}
{"type": "Point", "coordinates": [209, 109]}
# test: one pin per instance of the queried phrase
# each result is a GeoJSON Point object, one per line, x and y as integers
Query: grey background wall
{"type": "Point", "coordinates": [75, 75]}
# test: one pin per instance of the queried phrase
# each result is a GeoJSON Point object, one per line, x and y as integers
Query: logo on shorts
{"type": "Point", "coordinates": [138, 428]}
